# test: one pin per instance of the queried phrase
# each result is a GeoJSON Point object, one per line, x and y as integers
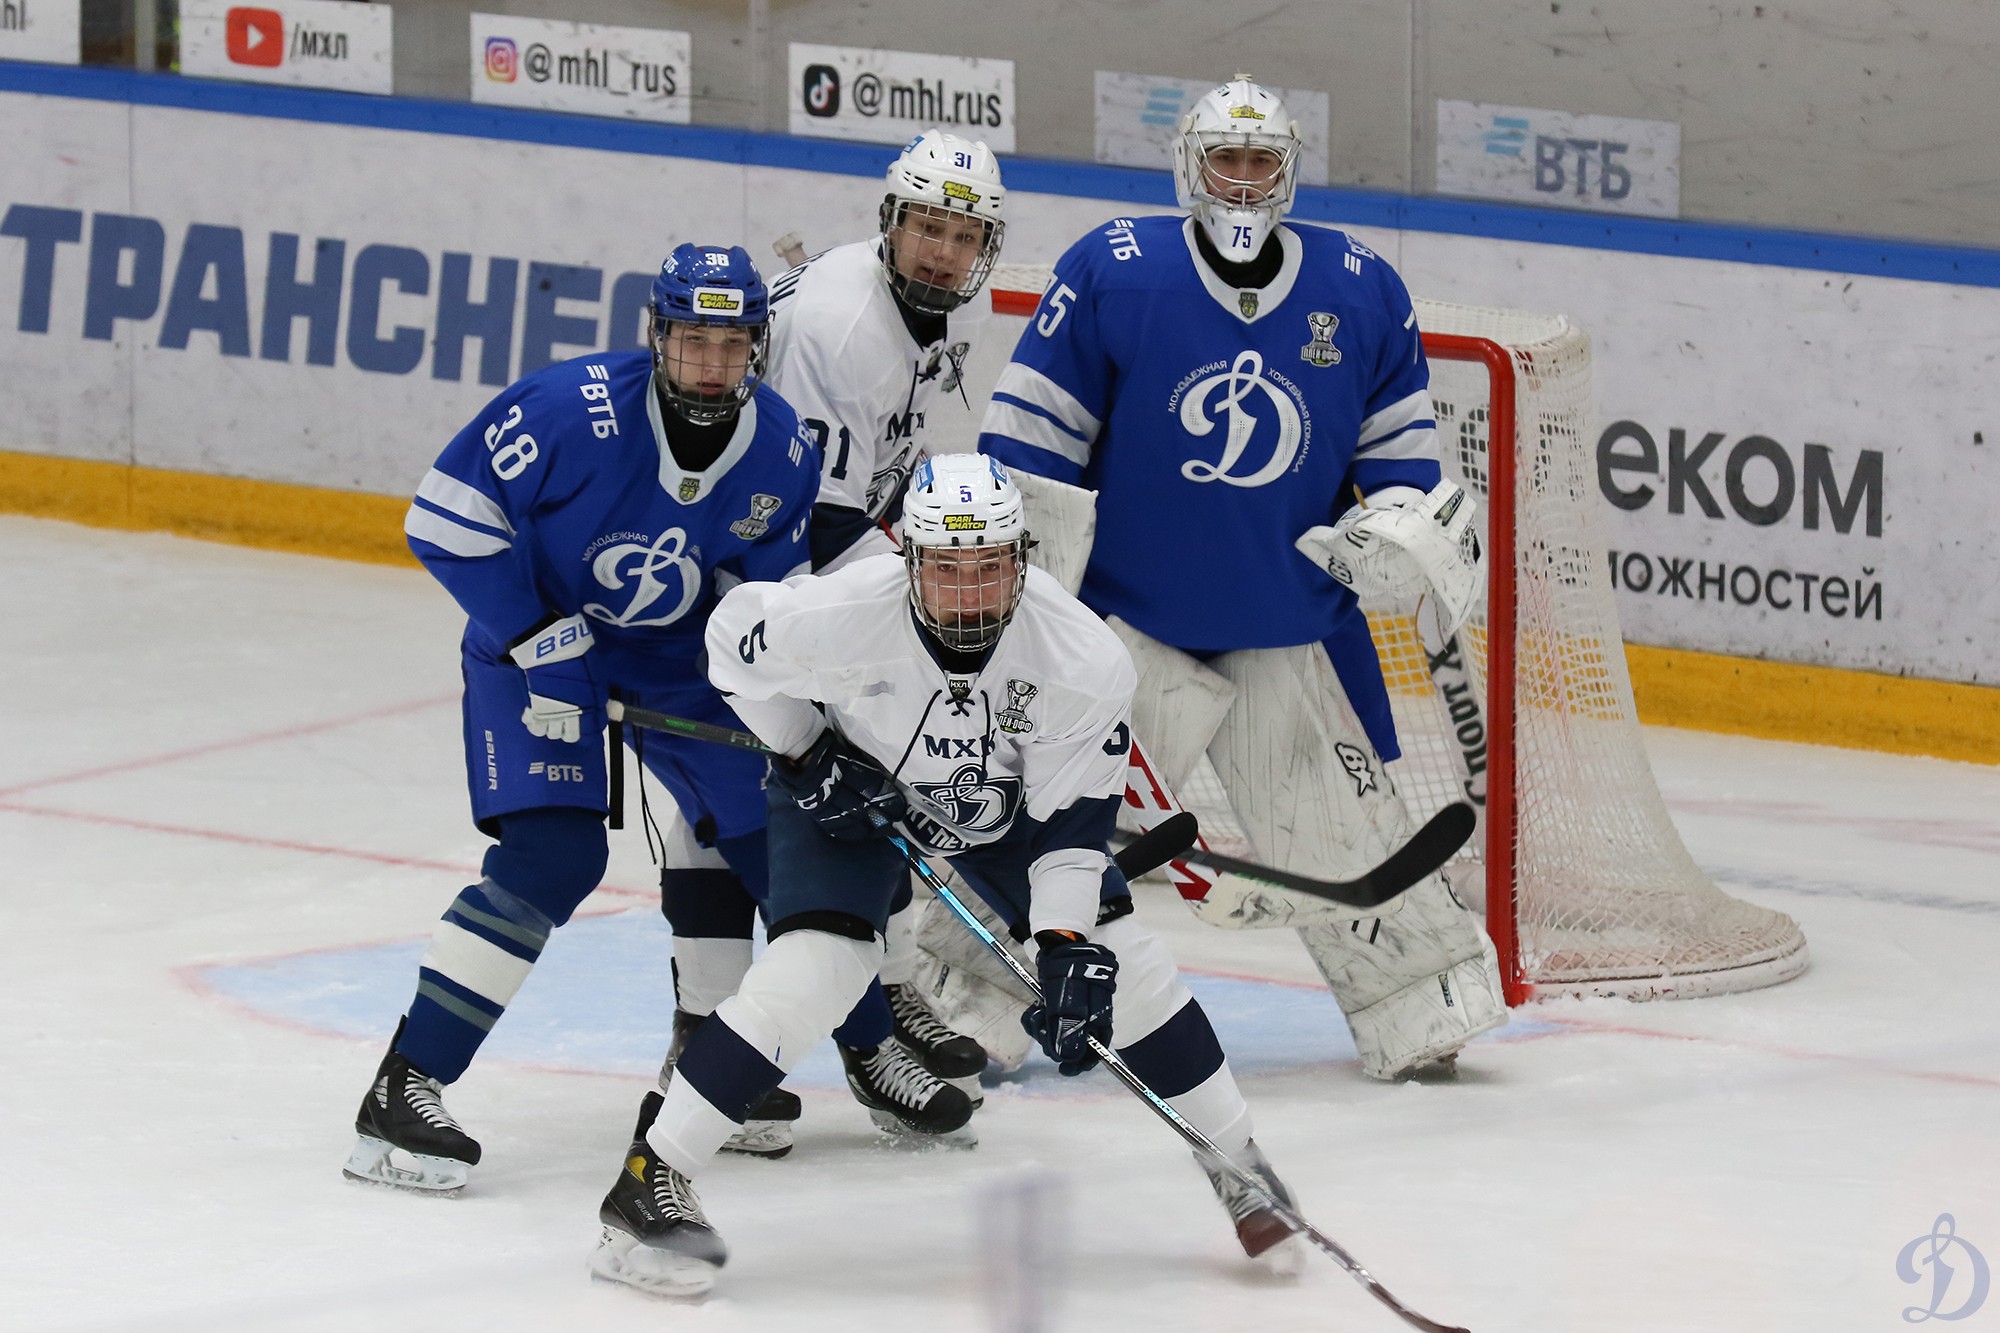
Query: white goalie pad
{"type": "Point", "coordinates": [1415, 986]}
{"type": "Point", "coordinates": [970, 990]}
{"type": "Point", "coordinates": [1177, 706]}
{"type": "Point", "coordinates": [1062, 519]}
{"type": "Point", "coordinates": [1416, 983]}
{"type": "Point", "coordinates": [1302, 777]}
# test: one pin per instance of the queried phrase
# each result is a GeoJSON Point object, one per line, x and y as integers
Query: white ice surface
{"type": "Point", "coordinates": [232, 802]}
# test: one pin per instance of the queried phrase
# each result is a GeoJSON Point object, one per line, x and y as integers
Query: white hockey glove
{"type": "Point", "coordinates": [1402, 544]}
{"type": "Point", "coordinates": [560, 686]}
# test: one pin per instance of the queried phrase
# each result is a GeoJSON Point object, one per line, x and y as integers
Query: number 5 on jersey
{"type": "Point", "coordinates": [1054, 306]}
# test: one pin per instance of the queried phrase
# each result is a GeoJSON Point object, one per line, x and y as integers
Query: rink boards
{"type": "Point", "coordinates": [317, 290]}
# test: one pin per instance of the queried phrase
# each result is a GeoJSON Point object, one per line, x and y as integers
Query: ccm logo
{"type": "Point", "coordinates": [1098, 972]}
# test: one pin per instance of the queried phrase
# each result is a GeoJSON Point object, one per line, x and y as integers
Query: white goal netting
{"type": "Point", "coordinates": [1586, 883]}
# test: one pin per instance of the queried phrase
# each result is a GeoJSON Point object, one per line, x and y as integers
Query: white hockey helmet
{"type": "Point", "coordinates": [939, 186]}
{"type": "Point", "coordinates": [965, 542]}
{"type": "Point", "coordinates": [1236, 165]}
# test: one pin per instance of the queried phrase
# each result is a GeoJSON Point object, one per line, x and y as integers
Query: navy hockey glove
{"type": "Point", "coordinates": [1077, 980]}
{"type": "Point", "coordinates": [561, 688]}
{"type": "Point", "coordinates": [839, 786]}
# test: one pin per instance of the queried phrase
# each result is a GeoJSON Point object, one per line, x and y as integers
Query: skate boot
{"type": "Point", "coordinates": [903, 1097]}
{"type": "Point", "coordinates": [957, 1060]}
{"type": "Point", "coordinates": [767, 1131]}
{"type": "Point", "coordinates": [407, 1137]}
{"type": "Point", "coordinates": [655, 1237]}
{"type": "Point", "coordinates": [1265, 1236]}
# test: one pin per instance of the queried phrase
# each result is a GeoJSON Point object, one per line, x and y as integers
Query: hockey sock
{"type": "Point", "coordinates": [790, 1000]}
{"type": "Point", "coordinates": [899, 963]}
{"type": "Point", "coordinates": [480, 954]}
{"type": "Point", "coordinates": [869, 1023]}
{"type": "Point", "coordinates": [1183, 1062]}
{"type": "Point", "coordinates": [712, 915]}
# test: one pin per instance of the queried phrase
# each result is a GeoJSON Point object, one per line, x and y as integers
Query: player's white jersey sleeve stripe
{"type": "Point", "coordinates": [1384, 434]}
{"type": "Point", "coordinates": [430, 526]}
{"type": "Point", "coordinates": [1029, 387]}
{"type": "Point", "coordinates": [1018, 423]}
{"type": "Point", "coordinates": [455, 497]}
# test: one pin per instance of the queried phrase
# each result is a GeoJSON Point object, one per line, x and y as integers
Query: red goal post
{"type": "Point", "coordinates": [1586, 885]}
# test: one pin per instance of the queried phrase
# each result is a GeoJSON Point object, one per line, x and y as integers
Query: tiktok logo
{"type": "Point", "coordinates": [1236, 385]}
{"type": "Point", "coordinates": [1933, 1248]}
{"type": "Point", "coordinates": [611, 569]}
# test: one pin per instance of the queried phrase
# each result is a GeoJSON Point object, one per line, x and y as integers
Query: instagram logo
{"type": "Point", "coordinates": [503, 59]}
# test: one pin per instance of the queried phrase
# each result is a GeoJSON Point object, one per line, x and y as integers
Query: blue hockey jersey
{"type": "Point", "coordinates": [1218, 424]}
{"type": "Point", "coordinates": [562, 497]}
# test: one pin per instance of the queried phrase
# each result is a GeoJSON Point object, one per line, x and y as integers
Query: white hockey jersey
{"type": "Point", "coordinates": [1033, 745]}
{"type": "Point", "coordinates": [842, 355]}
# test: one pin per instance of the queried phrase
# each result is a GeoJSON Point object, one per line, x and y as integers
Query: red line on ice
{"type": "Point", "coordinates": [240, 742]}
{"type": "Point", "coordinates": [459, 868]}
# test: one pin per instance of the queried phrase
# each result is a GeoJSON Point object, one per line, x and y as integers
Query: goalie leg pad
{"type": "Point", "coordinates": [1176, 707]}
{"type": "Point", "coordinates": [970, 990]}
{"type": "Point", "coordinates": [1305, 784]}
{"type": "Point", "coordinates": [1416, 986]}
{"type": "Point", "coordinates": [1063, 519]}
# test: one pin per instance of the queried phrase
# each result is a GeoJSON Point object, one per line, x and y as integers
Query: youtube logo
{"type": "Point", "coordinates": [255, 37]}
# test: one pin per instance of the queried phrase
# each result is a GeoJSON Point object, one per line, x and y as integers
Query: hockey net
{"type": "Point", "coordinates": [1585, 882]}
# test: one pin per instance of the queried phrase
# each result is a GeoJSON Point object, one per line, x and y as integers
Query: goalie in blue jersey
{"type": "Point", "coordinates": [1248, 400]}
{"type": "Point", "coordinates": [587, 520]}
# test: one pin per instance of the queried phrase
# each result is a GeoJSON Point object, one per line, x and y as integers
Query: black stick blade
{"type": "Point", "coordinates": [1158, 845]}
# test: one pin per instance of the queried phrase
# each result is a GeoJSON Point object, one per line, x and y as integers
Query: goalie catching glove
{"type": "Point", "coordinates": [839, 787]}
{"type": "Point", "coordinates": [560, 686]}
{"type": "Point", "coordinates": [1403, 543]}
{"type": "Point", "coordinates": [1078, 979]}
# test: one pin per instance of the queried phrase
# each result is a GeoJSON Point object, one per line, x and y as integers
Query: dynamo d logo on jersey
{"type": "Point", "coordinates": [1252, 410]}
{"type": "Point", "coordinates": [642, 564]}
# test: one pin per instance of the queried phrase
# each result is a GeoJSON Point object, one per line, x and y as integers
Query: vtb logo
{"type": "Point", "coordinates": [503, 59]}
{"type": "Point", "coordinates": [255, 37]}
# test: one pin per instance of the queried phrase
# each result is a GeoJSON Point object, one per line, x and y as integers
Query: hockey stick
{"type": "Point", "coordinates": [1434, 844]}
{"type": "Point", "coordinates": [1426, 852]}
{"type": "Point", "coordinates": [1159, 842]}
{"type": "Point", "coordinates": [1159, 1105]}
{"type": "Point", "coordinates": [1148, 852]}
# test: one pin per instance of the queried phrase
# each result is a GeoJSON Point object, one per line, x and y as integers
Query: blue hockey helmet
{"type": "Point", "coordinates": [710, 330]}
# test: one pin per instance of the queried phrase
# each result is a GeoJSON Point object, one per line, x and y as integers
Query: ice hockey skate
{"type": "Point", "coordinates": [407, 1137]}
{"type": "Point", "coordinates": [768, 1130]}
{"type": "Point", "coordinates": [1265, 1237]}
{"type": "Point", "coordinates": [656, 1237]}
{"type": "Point", "coordinates": [903, 1097]}
{"type": "Point", "coordinates": [957, 1059]}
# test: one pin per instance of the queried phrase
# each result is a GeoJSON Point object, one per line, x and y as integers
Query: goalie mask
{"type": "Point", "coordinates": [1236, 164]}
{"type": "Point", "coordinates": [941, 224]}
{"type": "Point", "coordinates": [965, 542]}
{"type": "Point", "coordinates": [709, 331]}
